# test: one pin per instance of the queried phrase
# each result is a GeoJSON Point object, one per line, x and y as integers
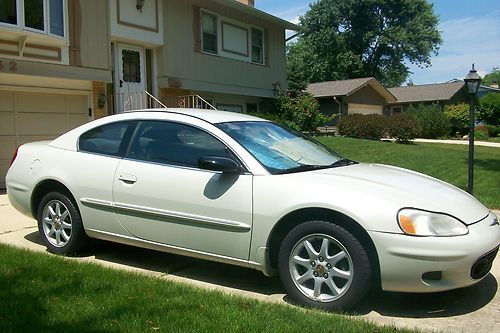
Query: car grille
{"type": "Point", "coordinates": [483, 265]}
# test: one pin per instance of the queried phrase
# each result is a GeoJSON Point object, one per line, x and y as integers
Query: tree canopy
{"type": "Point", "coordinates": [492, 77]}
{"type": "Point", "coordinates": [345, 39]}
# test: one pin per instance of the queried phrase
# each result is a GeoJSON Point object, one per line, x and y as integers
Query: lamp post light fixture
{"type": "Point", "coordinates": [472, 80]}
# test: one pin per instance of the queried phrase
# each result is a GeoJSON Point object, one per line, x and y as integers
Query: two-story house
{"type": "Point", "coordinates": [66, 62]}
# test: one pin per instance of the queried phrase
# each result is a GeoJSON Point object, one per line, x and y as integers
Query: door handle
{"type": "Point", "coordinates": [128, 179]}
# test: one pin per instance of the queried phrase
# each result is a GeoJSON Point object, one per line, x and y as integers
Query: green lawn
{"type": "Point", "coordinates": [495, 139]}
{"type": "Point", "coordinates": [443, 161]}
{"type": "Point", "coordinates": [42, 293]}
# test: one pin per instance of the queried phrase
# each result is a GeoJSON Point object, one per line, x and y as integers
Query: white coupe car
{"type": "Point", "coordinates": [238, 189]}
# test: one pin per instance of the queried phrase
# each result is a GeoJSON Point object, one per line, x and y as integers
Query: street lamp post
{"type": "Point", "coordinates": [472, 80]}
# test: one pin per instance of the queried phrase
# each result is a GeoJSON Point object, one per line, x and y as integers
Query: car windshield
{"type": "Point", "coordinates": [282, 150]}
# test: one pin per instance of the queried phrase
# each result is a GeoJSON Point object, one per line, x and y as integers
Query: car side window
{"type": "Point", "coordinates": [106, 139]}
{"type": "Point", "coordinates": [174, 144]}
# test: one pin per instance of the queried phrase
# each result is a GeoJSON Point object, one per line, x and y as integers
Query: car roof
{"type": "Point", "coordinates": [211, 116]}
{"type": "Point", "coordinates": [69, 140]}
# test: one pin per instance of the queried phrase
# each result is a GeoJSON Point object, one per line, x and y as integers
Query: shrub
{"type": "Point", "coordinates": [269, 116]}
{"type": "Point", "coordinates": [403, 127]}
{"type": "Point", "coordinates": [489, 109]}
{"type": "Point", "coordinates": [300, 113]}
{"type": "Point", "coordinates": [431, 120]}
{"type": "Point", "coordinates": [458, 116]}
{"type": "Point", "coordinates": [371, 126]}
{"type": "Point", "coordinates": [481, 133]}
{"type": "Point", "coordinates": [493, 130]}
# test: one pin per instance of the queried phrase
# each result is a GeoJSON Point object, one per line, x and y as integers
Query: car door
{"type": "Point", "coordinates": [161, 195]}
{"type": "Point", "coordinates": [92, 170]}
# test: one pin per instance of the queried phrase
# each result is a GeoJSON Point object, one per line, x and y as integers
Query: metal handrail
{"type": "Point", "coordinates": [194, 101]}
{"type": "Point", "coordinates": [140, 100]}
{"type": "Point", "coordinates": [156, 100]}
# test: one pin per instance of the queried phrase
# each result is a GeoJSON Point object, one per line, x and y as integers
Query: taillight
{"type": "Point", "coordinates": [14, 157]}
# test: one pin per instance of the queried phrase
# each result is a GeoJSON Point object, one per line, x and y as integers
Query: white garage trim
{"type": "Point", "coordinates": [355, 108]}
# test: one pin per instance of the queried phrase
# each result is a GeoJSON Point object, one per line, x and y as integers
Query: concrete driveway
{"type": "Point", "coordinates": [475, 309]}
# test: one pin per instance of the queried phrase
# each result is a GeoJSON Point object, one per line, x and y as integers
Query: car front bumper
{"type": "Point", "coordinates": [430, 264]}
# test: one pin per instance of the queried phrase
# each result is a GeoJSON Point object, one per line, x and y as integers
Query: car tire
{"type": "Point", "coordinates": [323, 265]}
{"type": "Point", "coordinates": [60, 224]}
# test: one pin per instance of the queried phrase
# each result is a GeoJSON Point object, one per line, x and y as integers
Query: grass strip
{"type": "Point", "coordinates": [43, 293]}
{"type": "Point", "coordinates": [443, 161]}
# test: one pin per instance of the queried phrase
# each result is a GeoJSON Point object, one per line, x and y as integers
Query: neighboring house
{"type": "Point", "coordinates": [66, 62]}
{"type": "Point", "coordinates": [441, 93]}
{"type": "Point", "coordinates": [485, 90]}
{"type": "Point", "coordinates": [340, 98]}
{"type": "Point", "coordinates": [482, 90]}
{"type": "Point", "coordinates": [367, 95]}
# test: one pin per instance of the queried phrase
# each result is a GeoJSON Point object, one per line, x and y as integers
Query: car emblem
{"type": "Point", "coordinates": [495, 222]}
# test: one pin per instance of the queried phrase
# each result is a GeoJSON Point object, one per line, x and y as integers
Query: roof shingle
{"type": "Point", "coordinates": [426, 92]}
{"type": "Point", "coordinates": [336, 88]}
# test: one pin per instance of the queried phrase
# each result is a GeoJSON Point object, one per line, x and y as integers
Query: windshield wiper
{"type": "Point", "coordinates": [307, 167]}
{"type": "Point", "coordinates": [343, 162]}
{"type": "Point", "coordinates": [300, 168]}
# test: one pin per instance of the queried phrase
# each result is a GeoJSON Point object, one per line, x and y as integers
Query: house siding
{"type": "Point", "coordinates": [366, 95]}
{"type": "Point", "coordinates": [181, 58]}
{"type": "Point", "coordinates": [94, 34]}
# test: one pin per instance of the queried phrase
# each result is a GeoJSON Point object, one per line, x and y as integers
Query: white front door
{"type": "Point", "coordinates": [130, 77]}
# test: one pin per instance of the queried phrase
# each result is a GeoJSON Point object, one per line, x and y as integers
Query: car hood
{"type": "Point", "coordinates": [408, 189]}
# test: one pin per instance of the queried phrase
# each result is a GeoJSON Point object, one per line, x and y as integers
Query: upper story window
{"type": "Point", "coordinates": [8, 12]}
{"type": "Point", "coordinates": [209, 32]}
{"type": "Point", "coordinates": [257, 46]}
{"type": "Point", "coordinates": [231, 39]}
{"type": "Point", "coordinates": [41, 16]}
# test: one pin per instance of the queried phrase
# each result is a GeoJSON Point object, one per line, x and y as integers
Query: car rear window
{"type": "Point", "coordinates": [106, 139]}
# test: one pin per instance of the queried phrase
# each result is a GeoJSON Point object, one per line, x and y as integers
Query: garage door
{"type": "Point", "coordinates": [365, 108]}
{"type": "Point", "coordinates": [28, 116]}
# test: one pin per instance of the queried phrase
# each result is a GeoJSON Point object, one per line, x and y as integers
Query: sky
{"type": "Point", "coordinates": [470, 31]}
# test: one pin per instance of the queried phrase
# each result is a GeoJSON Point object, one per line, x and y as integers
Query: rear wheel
{"type": "Point", "coordinates": [323, 265]}
{"type": "Point", "coordinates": [60, 224]}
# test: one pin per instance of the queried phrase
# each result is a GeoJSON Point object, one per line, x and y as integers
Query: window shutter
{"type": "Point", "coordinates": [197, 28]}
{"type": "Point", "coordinates": [266, 47]}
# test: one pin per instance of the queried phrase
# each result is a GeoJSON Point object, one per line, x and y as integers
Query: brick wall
{"type": "Point", "coordinates": [170, 96]}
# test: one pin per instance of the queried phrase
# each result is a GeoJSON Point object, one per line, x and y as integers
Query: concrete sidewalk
{"type": "Point", "coordinates": [460, 142]}
{"type": "Point", "coordinates": [475, 309]}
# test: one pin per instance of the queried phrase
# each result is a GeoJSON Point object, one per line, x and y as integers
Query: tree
{"type": "Point", "coordinates": [346, 39]}
{"type": "Point", "coordinates": [493, 77]}
{"type": "Point", "coordinates": [489, 109]}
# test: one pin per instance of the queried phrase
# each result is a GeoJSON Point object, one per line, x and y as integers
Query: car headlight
{"type": "Point", "coordinates": [423, 223]}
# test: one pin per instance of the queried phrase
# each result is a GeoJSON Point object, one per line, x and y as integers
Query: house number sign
{"type": "Point", "coordinates": [10, 66]}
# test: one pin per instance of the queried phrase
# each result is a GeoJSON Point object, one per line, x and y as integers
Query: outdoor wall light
{"type": "Point", "coordinates": [139, 5]}
{"type": "Point", "coordinates": [472, 80]}
{"type": "Point", "coordinates": [101, 101]}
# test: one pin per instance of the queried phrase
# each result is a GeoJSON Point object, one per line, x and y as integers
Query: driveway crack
{"type": "Point", "coordinates": [11, 231]}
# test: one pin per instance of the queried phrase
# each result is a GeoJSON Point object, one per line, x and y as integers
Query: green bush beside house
{"type": "Point", "coordinates": [431, 119]}
{"type": "Point", "coordinates": [299, 111]}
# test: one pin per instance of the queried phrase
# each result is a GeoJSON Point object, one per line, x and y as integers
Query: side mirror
{"type": "Point", "coordinates": [218, 163]}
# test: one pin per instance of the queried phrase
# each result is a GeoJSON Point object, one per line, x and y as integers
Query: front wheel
{"type": "Point", "coordinates": [60, 224]}
{"type": "Point", "coordinates": [323, 265]}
